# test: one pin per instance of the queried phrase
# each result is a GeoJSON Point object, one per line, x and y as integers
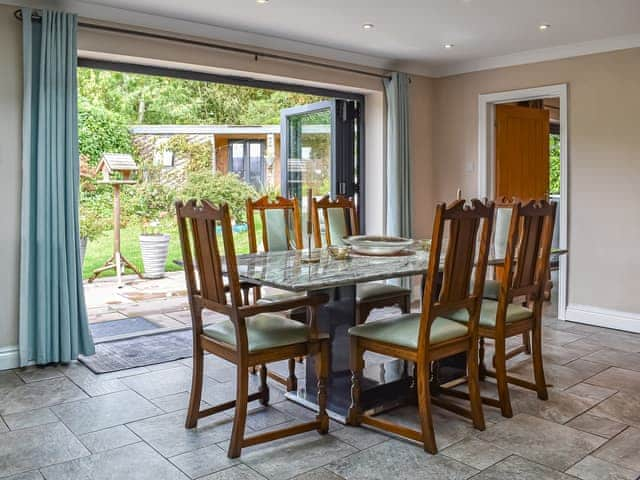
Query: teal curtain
{"type": "Point", "coordinates": [53, 316]}
{"type": "Point", "coordinates": [398, 166]}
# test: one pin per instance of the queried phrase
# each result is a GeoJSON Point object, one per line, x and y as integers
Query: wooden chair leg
{"type": "Point", "coordinates": [482, 368]}
{"type": "Point", "coordinates": [322, 372]}
{"type": "Point", "coordinates": [196, 386]}
{"type": "Point", "coordinates": [473, 378]}
{"type": "Point", "coordinates": [538, 369]}
{"type": "Point", "coordinates": [292, 380]}
{"type": "Point", "coordinates": [357, 364]}
{"type": "Point", "coordinates": [500, 362]}
{"type": "Point", "coordinates": [424, 407]}
{"type": "Point", "coordinates": [240, 417]}
{"type": "Point", "coordinates": [264, 388]}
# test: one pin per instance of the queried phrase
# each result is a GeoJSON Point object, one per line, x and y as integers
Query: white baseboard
{"type": "Point", "coordinates": [604, 317]}
{"type": "Point", "coordinates": [9, 357]}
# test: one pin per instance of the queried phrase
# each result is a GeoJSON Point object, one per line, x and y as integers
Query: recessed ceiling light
{"type": "Point", "coordinates": [368, 26]}
{"type": "Point", "coordinates": [262, 2]}
{"type": "Point", "coordinates": [544, 26]}
{"type": "Point", "coordinates": [449, 45]}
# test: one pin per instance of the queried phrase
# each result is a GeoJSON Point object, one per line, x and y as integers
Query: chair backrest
{"type": "Point", "coordinates": [502, 225]}
{"type": "Point", "coordinates": [200, 226]}
{"type": "Point", "coordinates": [281, 224]}
{"type": "Point", "coordinates": [448, 286]}
{"type": "Point", "coordinates": [527, 252]}
{"type": "Point", "coordinates": [340, 219]}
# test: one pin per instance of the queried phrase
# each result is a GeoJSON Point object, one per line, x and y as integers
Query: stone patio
{"type": "Point", "coordinates": [65, 422]}
{"type": "Point", "coordinates": [162, 301]}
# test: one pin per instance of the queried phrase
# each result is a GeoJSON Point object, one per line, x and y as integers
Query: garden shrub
{"type": "Point", "coordinates": [220, 188]}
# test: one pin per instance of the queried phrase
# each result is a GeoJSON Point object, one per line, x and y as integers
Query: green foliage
{"type": "Point", "coordinates": [199, 154]}
{"type": "Point", "coordinates": [100, 131]}
{"type": "Point", "coordinates": [93, 221]}
{"type": "Point", "coordinates": [220, 188]}
{"type": "Point", "coordinates": [150, 204]}
{"type": "Point", "coordinates": [554, 164]}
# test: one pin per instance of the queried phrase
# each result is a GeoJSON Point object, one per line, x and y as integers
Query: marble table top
{"type": "Point", "coordinates": [287, 271]}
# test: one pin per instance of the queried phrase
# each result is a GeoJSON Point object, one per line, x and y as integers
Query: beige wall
{"type": "Point", "coordinates": [10, 160]}
{"type": "Point", "coordinates": [604, 163]}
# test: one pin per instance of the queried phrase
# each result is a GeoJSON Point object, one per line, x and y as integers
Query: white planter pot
{"type": "Point", "coordinates": [83, 249]}
{"type": "Point", "coordinates": [155, 249]}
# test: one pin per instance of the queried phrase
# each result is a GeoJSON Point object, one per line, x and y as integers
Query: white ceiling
{"type": "Point", "coordinates": [408, 33]}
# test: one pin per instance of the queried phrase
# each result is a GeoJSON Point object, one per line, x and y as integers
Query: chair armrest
{"type": "Point", "coordinates": [307, 301]}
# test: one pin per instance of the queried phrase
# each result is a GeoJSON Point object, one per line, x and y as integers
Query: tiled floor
{"type": "Point", "coordinates": [67, 423]}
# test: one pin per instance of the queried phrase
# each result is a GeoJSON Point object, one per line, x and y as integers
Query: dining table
{"type": "Point", "coordinates": [386, 382]}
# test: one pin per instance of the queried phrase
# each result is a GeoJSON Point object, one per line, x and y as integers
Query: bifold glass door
{"type": "Point", "coordinates": [318, 149]}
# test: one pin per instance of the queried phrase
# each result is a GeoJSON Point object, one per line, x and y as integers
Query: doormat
{"type": "Point", "coordinates": [124, 326]}
{"type": "Point", "coordinates": [140, 351]}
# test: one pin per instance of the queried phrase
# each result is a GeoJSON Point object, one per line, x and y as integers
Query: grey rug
{"type": "Point", "coordinates": [139, 351]}
{"type": "Point", "coordinates": [124, 326]}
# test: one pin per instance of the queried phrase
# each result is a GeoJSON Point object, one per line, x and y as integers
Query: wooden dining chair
{"type": "Point", "coordinates": [340, 219]}
{"type": "Point", "coordinates": [425, 337]}
{"type": "Point", "coordinates": [522, 283]}
{"type": "Point", "coordinates": [281, 230]}
{"type": "Point", "coordinates": [252, 334]}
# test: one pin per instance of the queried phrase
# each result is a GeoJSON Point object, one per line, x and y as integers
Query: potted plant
{"type": "Point", "coordinates": [153, 202]}
{"type": "Point", "coordinates": [91, 226]}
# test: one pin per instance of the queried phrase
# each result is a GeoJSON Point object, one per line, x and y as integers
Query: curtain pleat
{"type": "Point", "coordinates": [398, 166]}
{"type": "Point", "coordinates": [53, 315]}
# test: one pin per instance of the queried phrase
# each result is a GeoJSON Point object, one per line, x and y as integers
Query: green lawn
{"type": "Point", "coordinates": [100, 249]}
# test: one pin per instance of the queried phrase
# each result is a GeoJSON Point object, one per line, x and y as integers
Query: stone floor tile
{"type": "Point", "coordinates": [359, 437]}
{"type": "Point", "coordinates": [616, 340]}
{"type": "Point", "coordinates": [622, 450]}
{"type": "Point", "coordinates": [475, 453]}
{"type": "Point", "coordinates": [260, 418]}
{"type": "Point", "coordinates": [36, 447]}
{"type": "Point", "coordinates": [33, 475]}
{"type": "Point", "coordinates": [558, 376]}
{"type": "Point", "coordinates": [586, 390]}
{"type": "Point", "coordinates": [622, 407]}
{"type": "Point", "coordinates": [319, 474]}
{"type": "Point", "coordinates": [167, 434]}
{"type": "Point", "coordinates": [558, 337]}
{"type": "Point", "coordinates": [160, 383]}
{"type": "Point", "coordinates": [9, 379]}
{"type": "Point", "coordinates": [3, 426]}
{"type": "Point", "coordinates": [560, 407]}
{"type": "Point", "coordinates": [399, 460]}
{"type": "Point", "coordinates": [164, 321]}
{"type": "Point", "coordinates": [239, 472]}
{"type": "Point", "coordinates": [108, 439]}
{"type": "Point", "coordinates": [203, 461]}
{"type": "Point", "coordinates": [38, 395]}
{"type": "Point", "coordinates": [135, 462]}
{"type": "Point", "coordinates": [175, 402]}
{"type": "Point", "coordinates": [35, 374]}
{"type": "Point", "coordinates": [31, 418]}
{"type": "Point", "coordinates": [519, 468]}
{"type": "Point", "coordinates": [105, 411]}
{"type": "Point", "coordinates": [597, 425]}
{"type": "Point", "coordinates": [618, 379]}
{"type": "Point", "coordinates": [593, 468]}
{"type": "Point", "coordinates": [616, 358]}
{"type": "Point", "coordinates": [285, 458]}
{"type": "Point", "coordinates": [96, 386]}
{"type": "Point", "coordinates": [542, 441]}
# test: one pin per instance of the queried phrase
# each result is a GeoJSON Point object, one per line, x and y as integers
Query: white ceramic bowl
{"type": "Point", "coordinates": [377, 244]}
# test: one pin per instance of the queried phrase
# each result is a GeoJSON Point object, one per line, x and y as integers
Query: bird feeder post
{"type": "Point", "coordinates": [116, 170]}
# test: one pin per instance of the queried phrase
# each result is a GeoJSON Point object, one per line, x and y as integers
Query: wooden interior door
{"type": "Point", "coordinates": [522, 152]}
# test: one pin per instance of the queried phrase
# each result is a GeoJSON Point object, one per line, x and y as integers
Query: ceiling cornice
{"type": "Point", "coordinates": [212, 32]}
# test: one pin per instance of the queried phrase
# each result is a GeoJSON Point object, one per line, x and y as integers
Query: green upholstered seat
{"type": "Point", "coordinates": [491, 289]}
{"type": "Point", "coordinates": [369, 291]}
{"type": "Point", "coordinates": [403, 330]}
{"type": "Point", "coordinates": [279, 296]}
{"type": "Point", "coordinates": [489, 311]}
{"type": "Point", "coordinates": [265, 330]}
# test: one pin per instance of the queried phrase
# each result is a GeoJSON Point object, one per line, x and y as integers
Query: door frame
{"type": "Point", "coordinates": [486, 163]}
